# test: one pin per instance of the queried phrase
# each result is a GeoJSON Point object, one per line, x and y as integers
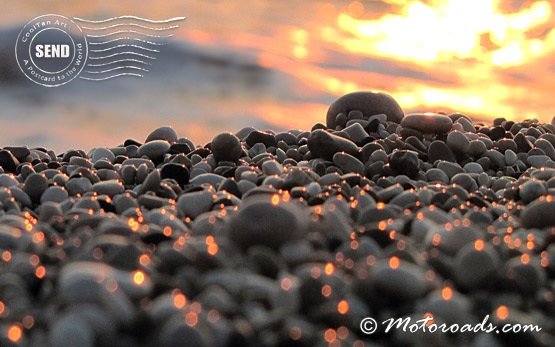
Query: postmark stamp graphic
{"type": "Point", "coordinates": [51, 50]}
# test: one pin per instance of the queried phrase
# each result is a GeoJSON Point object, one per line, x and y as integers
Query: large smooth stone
{"type": "Point", "coordinates": [369, 103]}
{"type": "Point", "coordinates": [194, 203]}
{"type": "Point", "coordinates": [111, 187]}
{"type": "Point", "coordinates": [269, 223]}
{"type": "Point", "coordinates": [35, 185]}
{"type": "Point", "coordinates": [531, 190]}
{"type": "Point", "coordinates": [405, 283]}
{"type": "Point", "coordinates": [101, 153]}
{"type": "Point", "coordinates": [163, 133]}
{"type": "Point", "coordinates": [154, 149]}
{"type": "Point", "coordinates": [475, 268]}
{"type": "Point", "coordinates": [428, 123]}
{"type": "Point", "coordinates": [458, 142]}
{"type": "Point", "coordinates": [54, 194]}
{"type": "Point", "coordinates": [539, 214]}
{"type": "Point", "coordinates": [226, 147]}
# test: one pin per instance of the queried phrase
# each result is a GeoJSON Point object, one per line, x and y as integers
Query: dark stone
{"type": "Point", "coordinates": [19, 152]}
{"type": "Point", "coordinates": [369, 103]}
{"type": "Point", "coordinates": [177, 148]}
{"type": "Point", "coordinates": [230, 186]}
{"type": "Point", "coordinates": [438, 150]}
{"type": "Point", "coordinates": [428, 123]}
{"type": "Point", "coordinates": [163, 133]}
{"type": "Point", "coordinates": [73, 153]}
{"type": "Point", "coordinates": [505, 144]}
{"type": "Point", "coordinates": [372, 126]}
{"type": "Point", "coordinates": [497, 133]}
{"type": "Point", "coordinates": [368, 149]}
{"type": "Point", "coordinates": [539, 214]}
{"type": "Point", "coordinates": [407, 132]}
{"type": "Point", "coordinates": [8, 161]}
{"type": "Point", "coordinates": [323, 144]}
{"type": "Point", "coordinates": [405, 162]}
{"type": "Point", "coordinates": [178, 172]}
{"type": "Point", "coordinates": [267, 223]}
{"type": "Point", "coordinates": [226, 147]}
{"type": "Point", "coordinates": [260, 137]}
{"type": "Point", "coordinates": [35, 185]}
{"type": "Point", "coordinates": [154, 150]}
{"type": "Point", "coordinates": [131, 142]}
{"type": "Point", "coordinates": [455, 116]}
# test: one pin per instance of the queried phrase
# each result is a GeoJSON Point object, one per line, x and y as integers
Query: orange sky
{"type": "Point", "coordinates": [486, 58]}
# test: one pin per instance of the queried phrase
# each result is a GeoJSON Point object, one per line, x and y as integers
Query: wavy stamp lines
{"type": "Point", "coordinates": [124, 46]}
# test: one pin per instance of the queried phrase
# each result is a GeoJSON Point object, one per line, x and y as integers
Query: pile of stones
{"type": "Point", "coordinates": [261, 238]}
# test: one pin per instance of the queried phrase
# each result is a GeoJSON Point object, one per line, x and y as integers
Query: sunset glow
{"type": "Point", "coordinates": [468, 56]}
{"type": "Point", "coordinates": [286, 64]}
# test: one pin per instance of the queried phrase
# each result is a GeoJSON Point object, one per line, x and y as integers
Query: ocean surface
{"type": "Point", "coordinates": [279, 64]}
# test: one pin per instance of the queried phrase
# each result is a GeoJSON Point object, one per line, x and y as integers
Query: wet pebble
{"type": "Point", "coordinates": [427, 122]}
{"type": "Point", "coordinates": [458, 142]}
{"type": "Point", "coordinates": [226, 147]}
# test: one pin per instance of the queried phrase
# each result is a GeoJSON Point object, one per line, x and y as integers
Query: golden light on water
{"type": "Point", "coordinates": [470, 42]}
{"type": "Point", "coordinates": [447, 29]}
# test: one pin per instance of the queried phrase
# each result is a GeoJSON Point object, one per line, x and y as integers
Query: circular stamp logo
{"type": "Point", "coordinates": [51, 50]}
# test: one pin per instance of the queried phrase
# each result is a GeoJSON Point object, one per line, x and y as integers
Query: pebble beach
{"type": "Point", "coordinates": [263, 238]}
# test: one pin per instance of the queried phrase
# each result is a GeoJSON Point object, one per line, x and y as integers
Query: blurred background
{"type": "Point", "coordinates": [278, 65]}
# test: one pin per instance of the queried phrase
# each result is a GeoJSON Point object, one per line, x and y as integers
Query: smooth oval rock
{"type": "Point", "coordinates": [458, 142]}
{"type": "Point", "coordinates": [110, 188]}
{"type": "Point", "coordinates": [35, 185]}
{"type": "Point", "coordinates": [531, 190]}
{"type": "Point", "coordinates": [539, 214]}
{"type": "Point", "coordinates": [154, 149]}
{"type": "Point", "coordinates": [268, 223]}
{"type": "Point", "coordinates": [428, 122]}
{"type": "Point", "coordinates": [348, 163]}
{"type": "Point", "coordinates": [165, 133]}
{"type": "Point", "coordinates": [226, 147]}
{"type": "Point", "coordinates": [369, 103]}
{"type": "Point", "coordinates": [175, 171]}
